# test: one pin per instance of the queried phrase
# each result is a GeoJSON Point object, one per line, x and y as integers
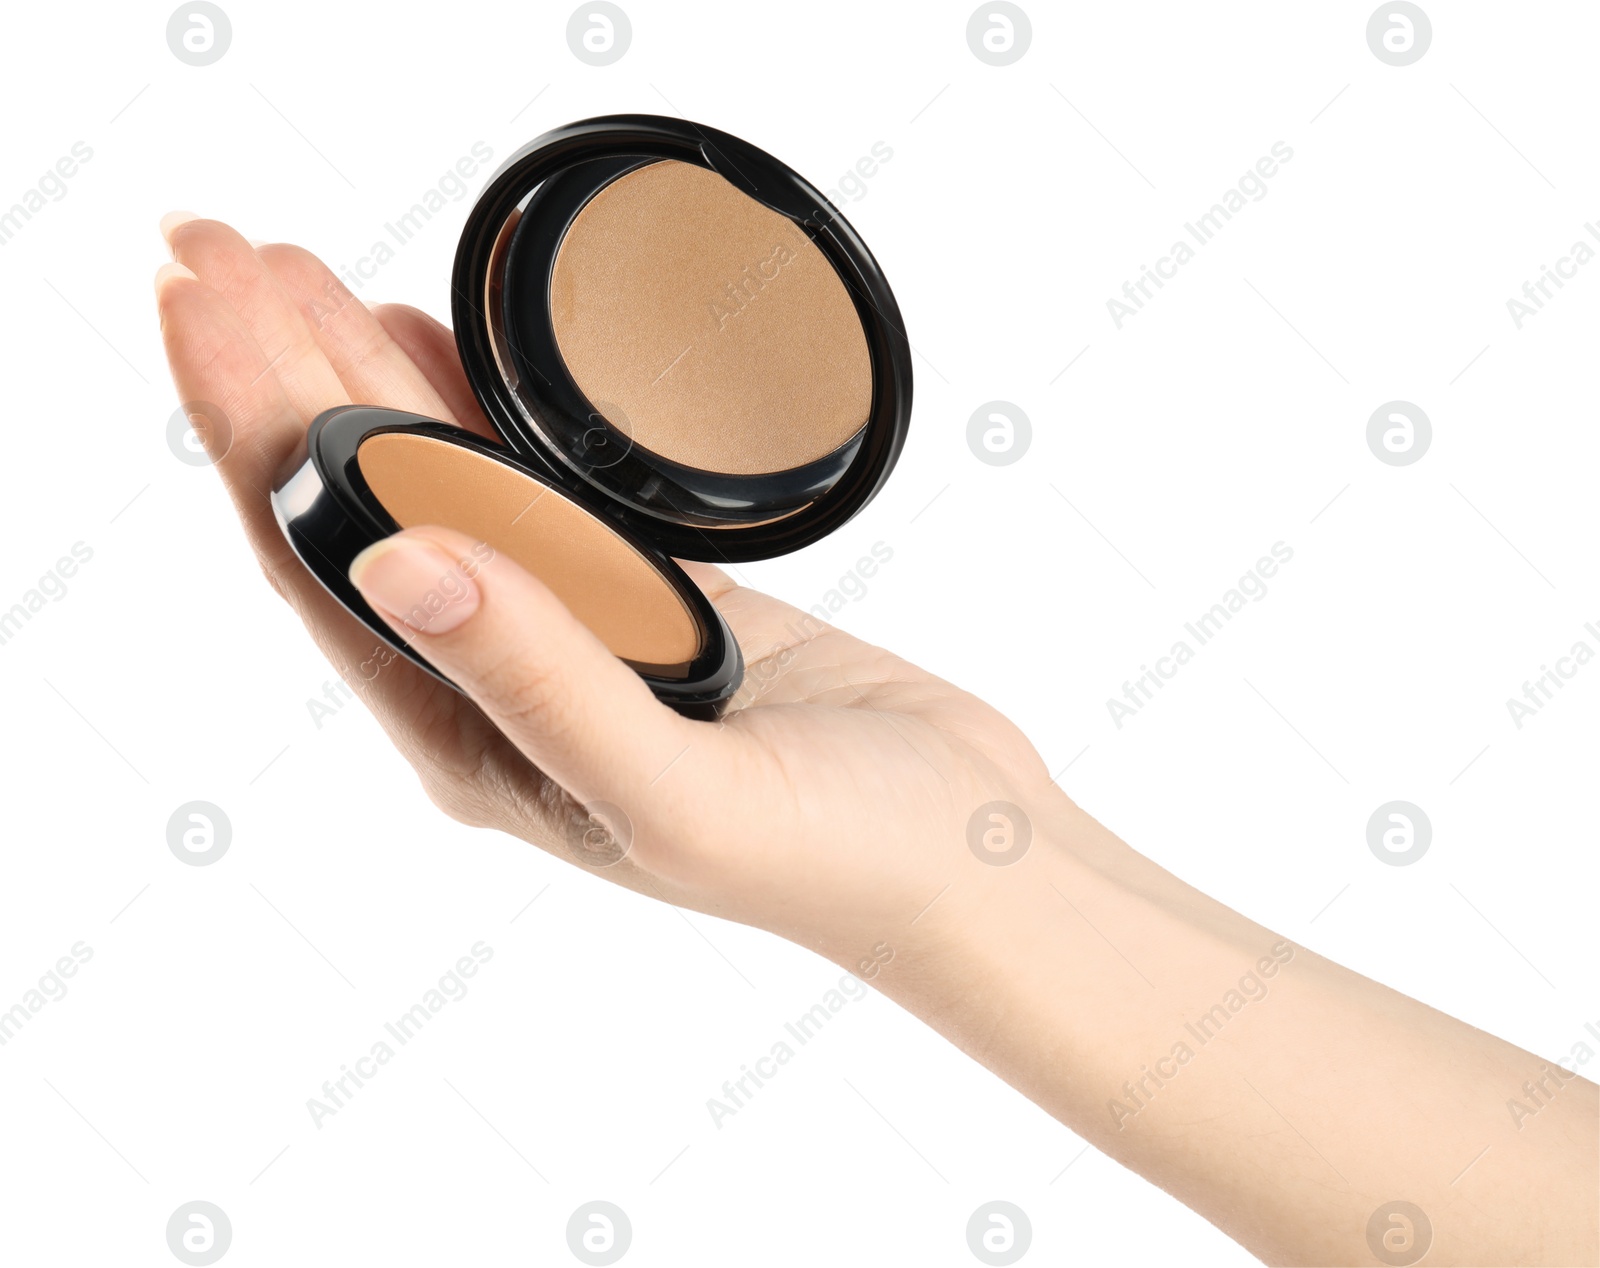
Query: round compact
{"type": "Point", "coordinates": [685, 351]}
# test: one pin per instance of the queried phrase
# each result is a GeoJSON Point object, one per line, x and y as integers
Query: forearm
{"type": "Point", "coordinates": [1280, 1095]}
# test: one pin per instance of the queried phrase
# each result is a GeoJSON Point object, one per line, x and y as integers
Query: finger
{"type": "Point", "coordinates": [371, 365]}
{"type": "Point", "coordinates": [432, 348]}
{"type": "Point", "coordinates": [213, 358]}
{"type": "Point", "coordinates": [577, 712]}
{"type": "Point", "coordinates": [224, 261]}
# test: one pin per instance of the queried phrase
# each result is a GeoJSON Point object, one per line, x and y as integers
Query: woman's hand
{"type": "Point", "coordinates": [830, 804]}
{"type": "Point", "coordinates": [1297, 1105]}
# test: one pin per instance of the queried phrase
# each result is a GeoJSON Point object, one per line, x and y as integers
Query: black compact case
{"type": "Point", "coordinates": [554, 435]}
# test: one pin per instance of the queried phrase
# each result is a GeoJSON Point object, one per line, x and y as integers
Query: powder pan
{"type": "Point", "coordinates": [501, 311]}
{"type": "Point", "coordinates": [329, 513]}
{"type": "Point", "coordinates": [650, 495]}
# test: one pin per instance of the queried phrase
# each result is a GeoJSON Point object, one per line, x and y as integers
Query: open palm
{"type": "Point", "coordinates": [836, 791]}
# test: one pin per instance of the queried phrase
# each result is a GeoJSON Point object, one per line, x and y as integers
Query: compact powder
{"type": "Point", "coordinates": [708, 327]}
{"type": "Point", "coordinates": [606, 583]}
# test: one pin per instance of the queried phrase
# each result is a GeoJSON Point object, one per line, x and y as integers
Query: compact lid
{"type": "Point", "coordinates": [684, 333]}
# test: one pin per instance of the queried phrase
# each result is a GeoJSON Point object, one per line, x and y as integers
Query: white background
{"type": "Point", "coordinates": [1225, 417]}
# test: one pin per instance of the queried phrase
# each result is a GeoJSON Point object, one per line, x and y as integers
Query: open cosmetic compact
{"type": "Point", "coordinates": [684, 350]}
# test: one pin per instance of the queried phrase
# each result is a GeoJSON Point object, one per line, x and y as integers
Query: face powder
{"type": "Point", "coordinates": [707, 327]}
{"type": "Point", "coordinates": [683, 351]}
{"type": "Point", "coordinates": [602, 579]}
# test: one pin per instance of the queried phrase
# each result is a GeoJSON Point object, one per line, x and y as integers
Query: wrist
{"type": "Point", "coordinates": [1069, 969]}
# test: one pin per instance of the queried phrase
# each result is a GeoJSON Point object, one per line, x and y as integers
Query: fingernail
{"type": "Point", "coordinates": [171, 221]}
{"type": "Point", "coordinates": [167, 272]}
{"type": "Point", "coordinates": [415, 582]}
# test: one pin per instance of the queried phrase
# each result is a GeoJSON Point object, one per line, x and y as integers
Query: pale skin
{"type": "Point", "coordinates": [831, 806]}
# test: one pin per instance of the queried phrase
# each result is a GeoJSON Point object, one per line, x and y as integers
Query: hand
{"type": "Point", "coordinates": [830, 802]}
{"type": "Point", "coordinates": [831, 805]}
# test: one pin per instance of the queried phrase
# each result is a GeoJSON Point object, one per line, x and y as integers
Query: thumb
{"type": "Point", "coordinates": [542, 677]}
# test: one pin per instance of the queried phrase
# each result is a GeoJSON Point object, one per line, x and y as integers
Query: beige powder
{"type": "Point", "coordinates": [707, 327]}
{"type": "Point", "coordinates": [607, 584]}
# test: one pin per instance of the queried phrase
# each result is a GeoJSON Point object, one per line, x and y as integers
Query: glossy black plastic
{"type": "Point", "coordinates": [500, 308]}
{"type": "Point", "coordinates": [555, 436]}
{"type": "Point", "coordinates": [330, 514]}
